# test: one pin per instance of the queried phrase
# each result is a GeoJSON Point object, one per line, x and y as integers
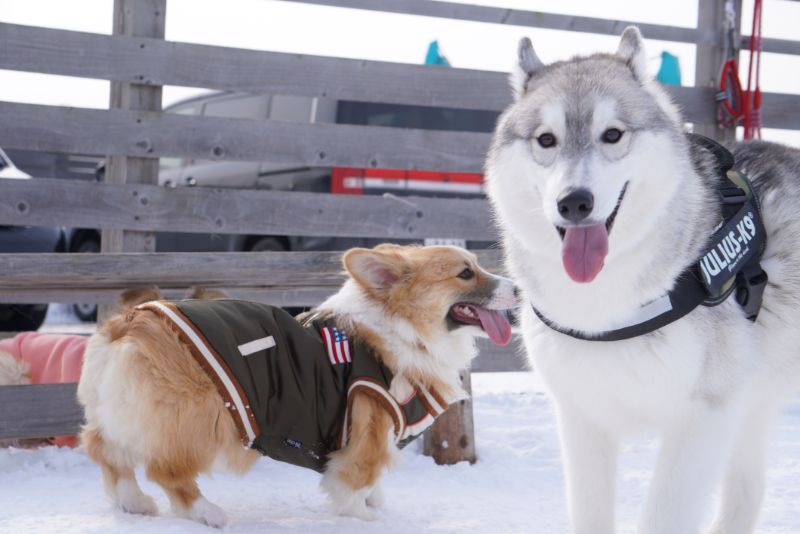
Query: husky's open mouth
{"type": "Point", "coordinates": [584, 248]}
{"type": "Point", "coordinates": [493, 322]}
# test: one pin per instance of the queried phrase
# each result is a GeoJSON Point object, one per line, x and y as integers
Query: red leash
{"type": "Point", "coordinates": [752, 101]}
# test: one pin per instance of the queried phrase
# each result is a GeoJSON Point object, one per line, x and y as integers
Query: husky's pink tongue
{"type": "Point", "coordinates": [583, 251]}
{"type": "Point", "coordinates": [495, 324]}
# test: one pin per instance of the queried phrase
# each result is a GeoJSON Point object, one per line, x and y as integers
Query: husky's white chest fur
{"type": "Point", "coordinates": [603, 203]}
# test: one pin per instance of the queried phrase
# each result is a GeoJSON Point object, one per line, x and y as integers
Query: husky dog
{"type": "Point", "coordinates": [603, 202]}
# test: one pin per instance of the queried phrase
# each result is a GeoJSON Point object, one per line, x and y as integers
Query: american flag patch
{"type": "Point", "coordinates": [337, 345]}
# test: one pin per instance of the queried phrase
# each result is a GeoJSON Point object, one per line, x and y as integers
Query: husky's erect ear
{"type": "Point", "coordinates": [631, 50]}
{"type": "Point", "coordinates": [374, 270]}
{"type": "Point", "coordinates": [527, 63]}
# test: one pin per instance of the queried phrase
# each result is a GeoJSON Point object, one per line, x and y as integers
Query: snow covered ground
{"type": "Point", "coordinates": [516, 486]}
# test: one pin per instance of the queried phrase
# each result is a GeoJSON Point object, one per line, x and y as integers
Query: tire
{"type": "Point", "coordinates": [266, 244]}
{"type": "Point", "coordinates": [86, 312]}
{"type": "Point", "coordinates": [22, 317]}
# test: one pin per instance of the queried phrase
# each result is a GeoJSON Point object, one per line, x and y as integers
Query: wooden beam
{"type": "Point", "coordinates": [157, 62]}
{"type": "Point", "coordinates": [711, 17]}
{"type": "Point", "coordinates": [147, 208]}
{"type": "Point", "coordinates": [518, 17]}
{"type": "Point", "coordinates": [549, 21]}
{"type": "Point", "coordinates": [46, 410]}
{"type": "Point", "coordinates": [181, 269]}
{"type": "Point", "coordinates": [151, 134]}
{"type": "Point", "coordinates": [39, 411]}
{"type": "Point", "coordinates": [160, 62]}
{"type": "Point", "coordinates": [137, 18]}
{"type": "Point", "coordinates": [451, 439]}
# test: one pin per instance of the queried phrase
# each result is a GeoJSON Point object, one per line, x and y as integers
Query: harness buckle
{"type": "Point", "coordinates": [751, 282]}
{"type": "Point", "coordinates": [732, 195]}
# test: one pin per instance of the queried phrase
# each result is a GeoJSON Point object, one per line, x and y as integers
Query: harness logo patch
{"type": "Point", "coordinates": [337, 345]}
{"type": "Point", "coordinates": [731, 246]}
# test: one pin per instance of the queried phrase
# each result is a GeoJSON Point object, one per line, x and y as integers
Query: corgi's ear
{"type": "Point", "coordinates": [631, 50]}
{"type": "Point", "coordinates": [527, 64]}
{"type": "Point", "coordinates": [373, 269]}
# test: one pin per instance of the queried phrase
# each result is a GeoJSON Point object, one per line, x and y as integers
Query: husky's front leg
{"type": "Point", "coordinates": [590, 465]}
{"type": "Point", "coordinates": [693, 453]}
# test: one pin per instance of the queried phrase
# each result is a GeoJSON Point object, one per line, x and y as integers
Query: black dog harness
{"type": "Point", "coordinates": [731, 263]}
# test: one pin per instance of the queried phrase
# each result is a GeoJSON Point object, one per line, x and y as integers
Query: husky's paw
{"type": "Point", "coordinates": [376, 498]}
{"type": "Point", "coordinates": [208, 513]}
{"type": "Point", "coordinates": [133, 500]}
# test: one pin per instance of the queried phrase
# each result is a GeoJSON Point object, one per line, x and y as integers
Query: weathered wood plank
{"type": "Point", "coordinates": [551, 21]}
{"type": "Point", "coordinates": [708, 58]}
{"type": "Point", "coordinates": [451, 439]}
{"type": "Point", "coordinates": [177, 270]}
{"type": "Point", "coordinates": [160, 62]}
{"type": "Point", "coordinates": [46, 410]}
{"type": "Point", "coordinates": [277, 296]}
{"type": "Point", "coordinates": [152, 134]}
{"type": "Point", "coordinates": [517, 17]}
{"type": "Point", "coordinates": [137, 18]}
{"type": "Point", "coordinates": [76, 204]}
{"type": "Point", "coordinates": [154, 62]}
{"type": "Point", "coordinates": [39, 411]}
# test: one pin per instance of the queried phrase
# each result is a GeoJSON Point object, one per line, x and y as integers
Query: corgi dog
{"type": "Point", "coordinates": [182, 386]}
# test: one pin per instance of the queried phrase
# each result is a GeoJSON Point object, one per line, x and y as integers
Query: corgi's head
{"type": "Point", "coordinates": [435, 289]}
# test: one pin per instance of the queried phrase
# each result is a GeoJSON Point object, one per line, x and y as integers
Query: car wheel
{"type": "Point", "coordinates": [265, 244]}
{"type": "Point", "coordinates": [22, 317]}
{"type": "Point", "coordinates": [86, 312]}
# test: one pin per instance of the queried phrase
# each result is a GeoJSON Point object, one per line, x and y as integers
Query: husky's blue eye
{"type": "Point", "coordinates": [612, 135]}
{"type": "Point", "coordinates": [546, 140]}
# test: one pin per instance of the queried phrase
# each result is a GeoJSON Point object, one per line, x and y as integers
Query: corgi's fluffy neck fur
{"type": "Point", "coordinates": [432, 362]}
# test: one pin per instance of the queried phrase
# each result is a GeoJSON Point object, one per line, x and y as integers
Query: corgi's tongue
{"type": "Point", "coordinates": [495, 324]}
{"type": "Point", "coordinates": [583, 251]}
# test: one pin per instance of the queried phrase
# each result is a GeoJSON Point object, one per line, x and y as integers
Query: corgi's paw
{"type": "Point", "coordinates": [345, 500]}
{"type": "Point", "coordinates": [208, 513]}
{"type": "Point", "coordinates": [133, 500]}
{"type": "Point", "coordinates": [376, 498]}
{"type": "Point", "coordinates": [360, 510]}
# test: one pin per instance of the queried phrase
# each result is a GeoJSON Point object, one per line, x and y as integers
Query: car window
{"type": "Point", "coordinates": [238, 107]}
{"type": "Point", "coordinates": [421, 117]}
{"type": "Point", "coordinates": [291, 108]}
{"type": "Point", "coordinates": [165, 164]}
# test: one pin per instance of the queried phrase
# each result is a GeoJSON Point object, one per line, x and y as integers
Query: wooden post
{"type": "Point", "coordinates": [708, 58]}
{"type": "Point", "coordinates": [134, 18]}
{"type": "Point", "coordinates": [451, 439]}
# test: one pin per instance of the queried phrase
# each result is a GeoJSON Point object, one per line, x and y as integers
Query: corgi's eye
{"type": "Point", "coordinates": [612, 135]}
{"type": "Point", "coordinates": [466, 274]}
{"type": "Point", "coordinates": [546, 140]}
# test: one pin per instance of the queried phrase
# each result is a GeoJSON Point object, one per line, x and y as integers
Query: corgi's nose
{"type": "Point", "coordinates": [575, 204]}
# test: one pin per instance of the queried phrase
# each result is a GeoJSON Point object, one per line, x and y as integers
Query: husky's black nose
{"type": "Point", "coordinates": [575, 204]}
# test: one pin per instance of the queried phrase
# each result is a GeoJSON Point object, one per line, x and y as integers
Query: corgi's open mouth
{"type": "Point", "coordinates": [493, 322]}
{"type": "Point", "coordinates": [584, 248]}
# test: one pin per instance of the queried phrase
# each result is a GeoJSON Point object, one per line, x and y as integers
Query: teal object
{"type": "Point", "coordinates": [670, 71]}
{"type": "Point", "coordinates": [434, 55]}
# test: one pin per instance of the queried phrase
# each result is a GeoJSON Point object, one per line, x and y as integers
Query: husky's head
{"type": "Point", "coordinates": [582, 163]}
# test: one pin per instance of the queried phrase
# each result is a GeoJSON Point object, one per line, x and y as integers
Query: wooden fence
{"type": "Point", "coordinates": [134, 133]}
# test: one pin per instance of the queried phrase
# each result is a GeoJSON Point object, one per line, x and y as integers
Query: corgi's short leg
{"type": "Point", "coordinates": [179, 480]}
{"type": "Point", "coordinates": [118, 480]}
{"type": "Point", "coordinates": [351, 477]}
{"type": "Point", "coordinates": [376, 498]}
